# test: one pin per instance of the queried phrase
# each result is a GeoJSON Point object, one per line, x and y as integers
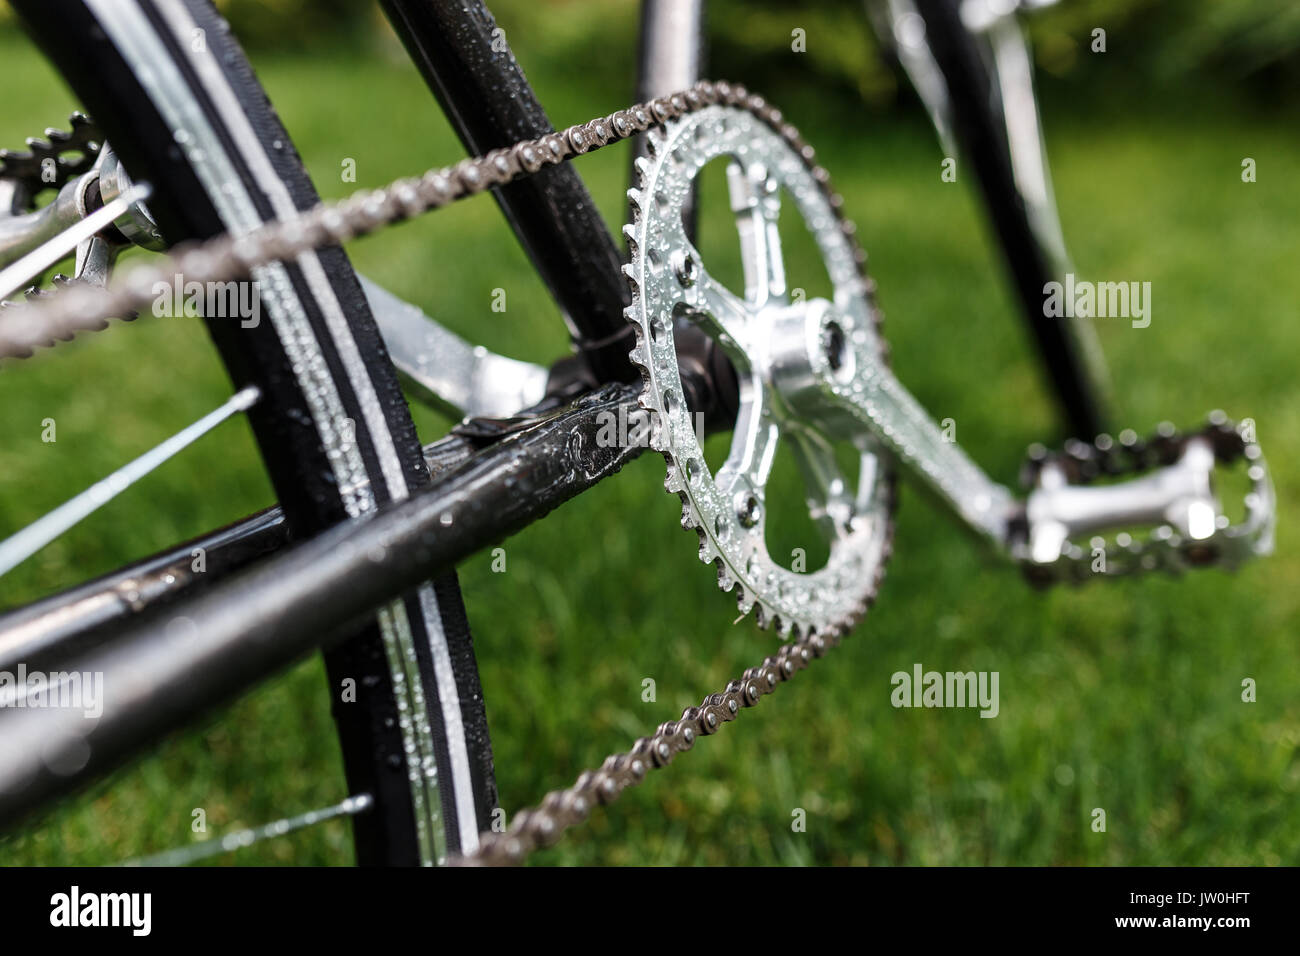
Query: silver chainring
{"type": "Point", "coordinates": [670, 285]}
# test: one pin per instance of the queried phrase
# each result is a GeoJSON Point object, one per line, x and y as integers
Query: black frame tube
{"type": "Point", "coordinates": [169, 668]}
{"type": "Point", "coordinates": [45, 632]}
{"type": "Point", "coordinates": [468, 65]}
{"type": "Point", "coordinates": [42, 633]}
{"type": "Point", "coordinates": [983, 142]}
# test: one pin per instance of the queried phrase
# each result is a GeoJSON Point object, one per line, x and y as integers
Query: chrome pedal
{"type": "Point", "coordinates": [1157, 496]}
{"type": "Point", "coordinates": [1171, 492]}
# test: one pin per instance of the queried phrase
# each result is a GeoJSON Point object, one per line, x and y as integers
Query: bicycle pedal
{"type": "Point", "coordinates": [1156, 497]}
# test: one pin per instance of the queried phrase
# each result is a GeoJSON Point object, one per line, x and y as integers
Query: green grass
{"type": "Point", "coordinates": [1124, 696]}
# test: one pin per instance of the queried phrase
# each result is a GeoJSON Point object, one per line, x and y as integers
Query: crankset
{"type": "Point", "coordinates": [812, 373]}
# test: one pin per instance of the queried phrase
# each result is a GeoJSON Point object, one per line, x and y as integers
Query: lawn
{"type": "Point", "coordinates": [1124, 696]}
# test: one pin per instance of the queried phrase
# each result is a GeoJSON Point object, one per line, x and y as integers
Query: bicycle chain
{"type": "Point", "coordinates": [75, 309]}
{"type": "Point", "coordinates": [1084, 463]}
{"type": "Point", "coordinates": [560, 810]}
{"type": "Point", "coordinates": [59, 315]}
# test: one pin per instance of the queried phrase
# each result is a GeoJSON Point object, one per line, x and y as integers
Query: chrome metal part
{"type": "Point", "coordinates": [1165, 483]}
{"type": "Point", "coordinates": [448, 372]}
{"type": "Point", "coordinates": [1179, 495]}
{"type": "Point", "coordinates": [900, 24]}
{"type": "Point", "coordinates": [1176, 497]}
{"type": "Point", "coordinates": [1007, 143]}
{"type": "Point", "coordinates": [69, 240]}
{"type": "Point", "coordinates": [20, 546]}
{"type": "Point", "coordinates": [137, 223]}
{"type": "Point", "coordinates": [22, 232]}
{"type": "Point", "coordinates": [239, 839]}
{"type": "Point", "coordinates": [94, 216]}
{"type": "Point", "coordinates": [728, 507]}
{"type": "Point", "coordinates": [850, 389]}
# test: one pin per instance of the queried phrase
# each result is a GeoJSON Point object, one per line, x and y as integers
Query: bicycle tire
{"type": "Point", "coordinates": [180, 104]}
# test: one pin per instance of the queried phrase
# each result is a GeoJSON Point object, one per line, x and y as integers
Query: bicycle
{"type": "Point", "coordinates": [367, 515]}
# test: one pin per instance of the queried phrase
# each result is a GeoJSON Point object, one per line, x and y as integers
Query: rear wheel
{"type": "Point", "coordinates": [178, 101]}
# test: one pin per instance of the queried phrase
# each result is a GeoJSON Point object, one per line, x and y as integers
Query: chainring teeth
{"type": "Point", "coordinates": [827, 601]}
{"type": "Point", "coordinates": [28, 167]}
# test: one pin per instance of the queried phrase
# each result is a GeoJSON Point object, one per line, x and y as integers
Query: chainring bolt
{"type": "Point", "coordinates": [686, 269]}
{"type": "Point", "coordinates": [748, 509]}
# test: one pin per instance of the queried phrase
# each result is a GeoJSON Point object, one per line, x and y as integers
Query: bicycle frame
{"type": "Point", "coordinates": [158, 674]}
{"type": "Point", "coordinates": [972, 70]}
{"type": "Point", "coordinates": [490, 103]}
{"type": "Point", "coordinates": [491, 478]}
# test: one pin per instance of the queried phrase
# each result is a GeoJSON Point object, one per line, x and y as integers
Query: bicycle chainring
{"type": "Point", "coordinates": [728, 506]}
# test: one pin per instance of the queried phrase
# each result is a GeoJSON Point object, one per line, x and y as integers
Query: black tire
{"type": "Point", "coordinates": [180, 105]}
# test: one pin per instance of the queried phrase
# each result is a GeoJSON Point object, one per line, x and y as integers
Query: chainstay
{"type": "Point", "coordinates": [60, 316]}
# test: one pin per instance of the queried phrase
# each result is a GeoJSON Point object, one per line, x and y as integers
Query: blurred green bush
{"type": "Point", "coordinates": [1251, 44]}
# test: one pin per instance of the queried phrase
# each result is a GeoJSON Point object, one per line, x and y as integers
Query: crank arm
{"type": "Point", "coordinates": [1171, 489]}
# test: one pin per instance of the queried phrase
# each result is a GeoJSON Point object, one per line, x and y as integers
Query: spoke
{"type": "Point", "coordinates": [182, 855]}
{"type": "Point", "coordinates": [756, 202]}
{"type": "Point", "coordinates": [20, 274]}
{"type": "Point", "coordinates": [21, 546]}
